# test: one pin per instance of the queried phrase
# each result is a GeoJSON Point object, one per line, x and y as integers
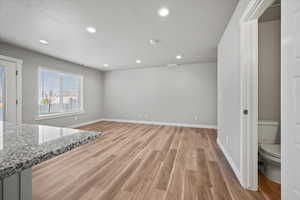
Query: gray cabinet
{"type": "Point", "coordinates": [17, 186]}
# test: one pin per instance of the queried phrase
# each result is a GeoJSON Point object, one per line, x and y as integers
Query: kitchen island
{"type": "Point", "coordinates": [23, 146]}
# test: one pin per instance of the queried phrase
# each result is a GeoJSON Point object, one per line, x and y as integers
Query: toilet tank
{"type": "Point", "coordinates": [268, 132]}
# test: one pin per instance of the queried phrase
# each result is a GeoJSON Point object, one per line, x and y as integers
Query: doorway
{"type": "Point", "coordinates": [249, 91]}
{"type": "Point", "coordinates": [269, 102]}
{"type": "Point", "coordinates": [10, 89]}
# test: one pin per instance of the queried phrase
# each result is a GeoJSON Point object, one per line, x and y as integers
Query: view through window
{"type": "Point", "coordinates": [2, 92]}
{"type": "Point", "coordinates": [59, 93]}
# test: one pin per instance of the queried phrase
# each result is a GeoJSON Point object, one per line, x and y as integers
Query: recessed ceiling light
{"type": "Point", "coordinates": [44, 42]}
{"type": "Point", "coordinates": [91, 29]}
{"type": "Point", "coordinates": [138, 61]}
{"type": "Point", "coordinates": [154, 41]}
{"type": "Point", "coordinates": [163, 12]}
{"type": "Point", "coordinates": [178, 57]}
{"type": "Point", "coordinates": [106, 65]}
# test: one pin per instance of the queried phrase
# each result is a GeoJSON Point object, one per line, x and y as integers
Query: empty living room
{"type": "Point", "coordinates": [149, 100]}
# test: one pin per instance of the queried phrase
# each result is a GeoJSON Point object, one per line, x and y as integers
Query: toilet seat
{"type": "Point", "coordinates": [272, 150]}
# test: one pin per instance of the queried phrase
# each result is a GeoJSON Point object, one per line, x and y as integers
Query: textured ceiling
{"type": "Point", "coordinates": [124, 28]}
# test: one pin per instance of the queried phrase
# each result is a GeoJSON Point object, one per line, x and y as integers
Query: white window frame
{"type": "Point", "coordinates": [63, 114]}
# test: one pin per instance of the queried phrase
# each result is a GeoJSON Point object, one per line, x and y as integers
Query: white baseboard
{"type": "Point", "coordinates": [162, 123]}
{"type": "Point", "coordinates": [230, 161]}
{"type": "Point", "coordinates": [85, 123]}
{"type": "Point", "coordinates": [144, 122]}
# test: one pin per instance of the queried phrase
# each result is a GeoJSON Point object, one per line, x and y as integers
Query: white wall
{"type": "Point", "coordinates": [182, 95]}
{"type": "Point", "coordinates": [185, 94]}
{"type": "Point", "coordinates": [92, 86]}
{"type": "Point", "coordinates": [269, 71]}
{"type": "Point", "coordinates": [229, 103]}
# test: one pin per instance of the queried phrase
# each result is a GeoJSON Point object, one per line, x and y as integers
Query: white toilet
{"type": "Point", "coordinates": [269, 149]}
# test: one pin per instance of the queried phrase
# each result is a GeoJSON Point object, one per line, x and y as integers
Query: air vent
{"type": "Point", "coordinates": [172, 65]}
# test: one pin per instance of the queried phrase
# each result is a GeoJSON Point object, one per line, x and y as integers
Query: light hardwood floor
{"type": "Point", "coordinates": [270, 189]}
{"type": "Point", "coordinates": [141, 162]}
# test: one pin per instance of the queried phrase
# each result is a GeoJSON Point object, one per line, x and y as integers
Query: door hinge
{"type": "Point", "coordinates": [17, 101]}
{"type": "Point", "coordinates": [245, 112]}
{"type": "Point", "coordinates": [17, 72]}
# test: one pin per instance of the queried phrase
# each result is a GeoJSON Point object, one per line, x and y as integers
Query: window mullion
{"type": "Point", "coordinates": [80, 94]}
{"type": "Point", "coordinates": [52, 86]}
{"type": "Point", "coordinates": [61, 92]}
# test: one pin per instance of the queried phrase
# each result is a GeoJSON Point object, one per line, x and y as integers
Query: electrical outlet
{"type": "Point", "coordinates": [196, 117]}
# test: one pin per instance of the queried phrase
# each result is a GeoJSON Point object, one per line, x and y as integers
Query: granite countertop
{"type": "Point", "coordinates": [24, 145]}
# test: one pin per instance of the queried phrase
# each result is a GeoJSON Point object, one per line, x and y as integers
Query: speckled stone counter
{"type": "Point", "coordinates": [22, 146]}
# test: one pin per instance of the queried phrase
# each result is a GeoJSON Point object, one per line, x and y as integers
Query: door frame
{"type": "Point", "coordinates": [19, 64]}
{"type": "Point", "coordinates": [249, 91]}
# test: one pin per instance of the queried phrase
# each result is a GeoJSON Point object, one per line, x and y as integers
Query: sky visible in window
{"type": "Point", "coordinates": [2, 89]}
{"type": "Point", "coordinates": [59, 92]}
{"type": "Point", "coordinates": [50, 81]}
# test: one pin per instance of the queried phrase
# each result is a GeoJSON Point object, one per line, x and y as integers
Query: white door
{"type": "Point", "coordinates": [9, 91]}
{"type": "Point", "coordinates": [249, 102]}
{"type": "Point", "coordinates": [290, 99]}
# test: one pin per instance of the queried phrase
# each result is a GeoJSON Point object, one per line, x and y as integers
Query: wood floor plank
{"type": "Point", "coordinates": [189, 186]}
{"type": "Point", "coordinates": [270, 189]}
{"type": "Point", "coordinates": [116, 184]}
{"type": "Point", "coordinates": [219, 188]}
{"type": "Point", "coordinates": [141, 162]}
{"type": "Point", "coordinates": [165, 172]}
{"type": "Point", "coordinates": [123, 195]}
{"type": "Point", "coordinates": [141, 172]}
{"type": "Point", "coordinates": [175, 189]}
{"type": "Point", "coordinates": [202, 168]}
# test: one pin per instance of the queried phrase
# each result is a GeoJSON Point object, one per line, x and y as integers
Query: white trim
{"type": "Point", "coordinates": [19, 90]}
{"type": "Point", "coordinates": [62, 114]}
{"type": "Point", "coordinates": [85, 123]}
{"type": "Point", "coordinates": [162, 123]}
{"type": "Point", "coordinates": [144, 122]}
{"type": "Point", "coordinates": [50, 69]}
{"type": "Point", "coordinates": [9, 59]}
{"type": "Point", "coordinates": [18, 63]}
{"type": "Point", "coordinates": [230, 160]}
{"type": "Point", "coordinates": [255, 9]}
{"type": "Point", "coordinates": [249, 91]}
{"type": "Point", "coordinates": [57, 115]}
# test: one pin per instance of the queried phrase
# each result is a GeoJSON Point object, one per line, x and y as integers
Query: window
{"type": "Point", "coordinates": [59, 93]}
